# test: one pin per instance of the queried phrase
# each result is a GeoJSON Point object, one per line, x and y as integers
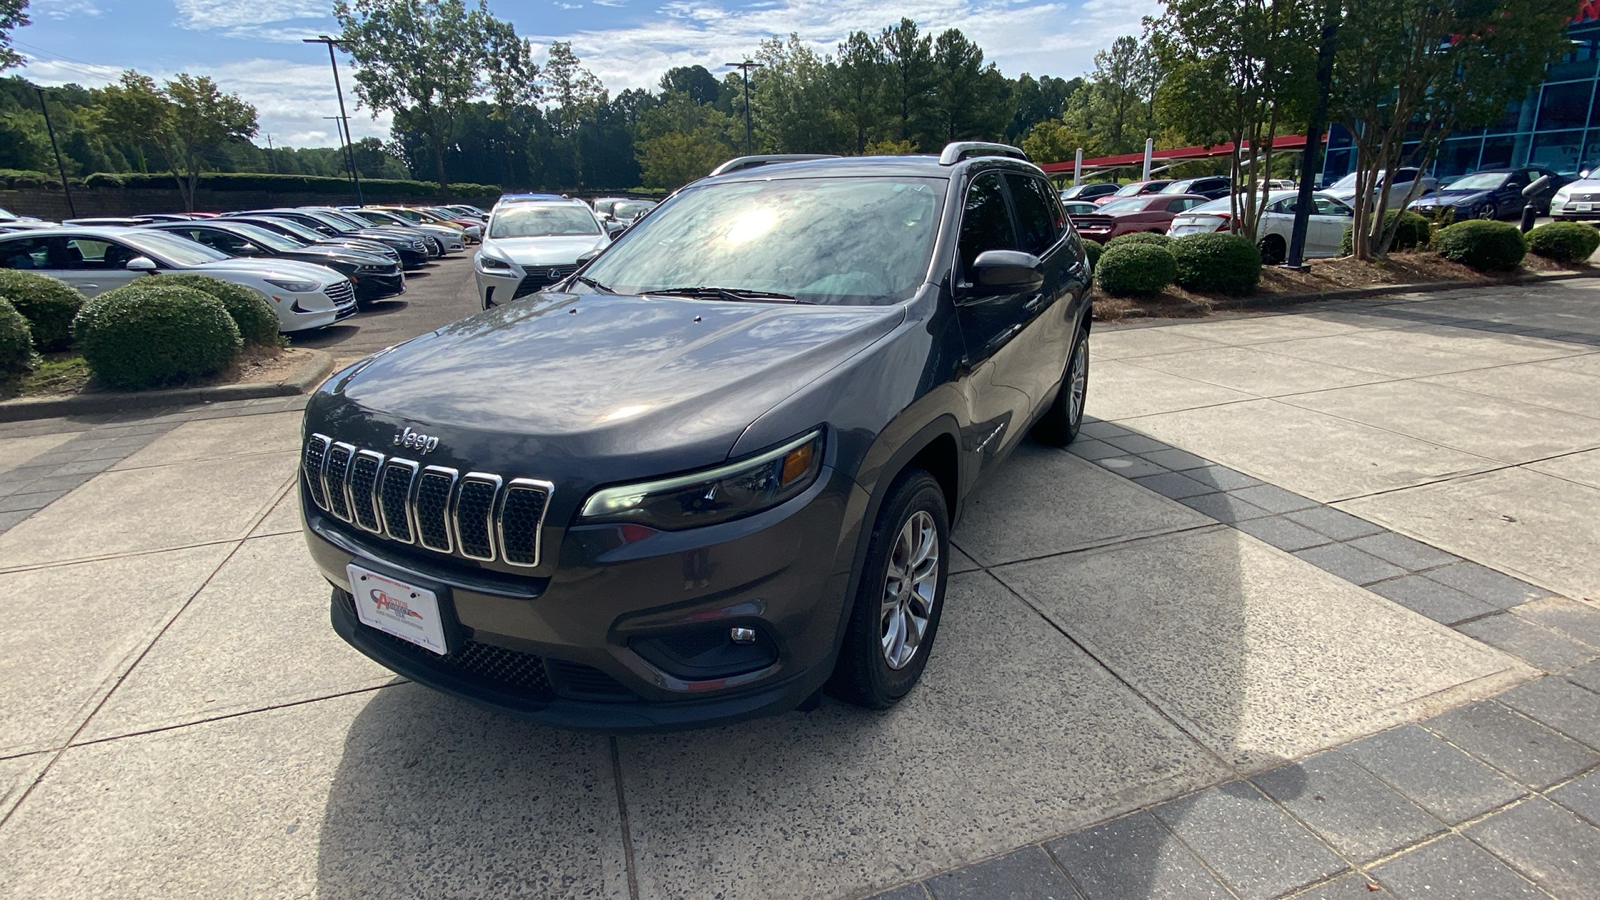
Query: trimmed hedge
{"type": "Point", "coordinates": [1224, 263]}
{"type": "Point", "coordinates": [1094, 249]}
{"type": "Point", "coordinates": [16, 343]}
{"type": "Point", "coordinates": [1484, 245]}
{"type": "Point", "coordinates": [149, 334]}
{"type": "Point", "coordinates": [49, 305]}
{"type": "Point", "coordinates": [1564, 241]}
{"type": "Point", "coordinates": [1412, 233]}
{"type": "Point", "coordinates": [1135, 269]}
{"type": "Point", "coordinates": [1140, 237]}
{"type": "Point", "coordinates": [310, 184]}
{"type": "Point", "coordinates": [258, 323]}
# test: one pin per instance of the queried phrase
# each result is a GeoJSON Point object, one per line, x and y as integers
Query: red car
{"type": "Point", "coordinates": [1133, 189]}
{"type": "Point", "coordinates": [1151, 212]}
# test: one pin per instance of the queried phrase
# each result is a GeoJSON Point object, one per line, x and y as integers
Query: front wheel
{"type": "Point", "coordinates": [1488, 211]}
{"type": "Point", "coordinates": [900, 597]}
{"type": "Point", "coordinates": [1060, 423]}
{"type": "Point", "coordinates": [1273, 250]}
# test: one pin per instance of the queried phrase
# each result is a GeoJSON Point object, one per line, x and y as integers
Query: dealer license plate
{"type": "Point", "coordinates": [394, 607]}
{"type": "Point", "coordinates": [1583, 207]}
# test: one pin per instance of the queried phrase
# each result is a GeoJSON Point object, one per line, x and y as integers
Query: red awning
{"type": "Point", "coordinates": [1174, 154]}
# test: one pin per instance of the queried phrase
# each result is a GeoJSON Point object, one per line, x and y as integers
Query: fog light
{"type": "Point", "coordinates": [742, 635]}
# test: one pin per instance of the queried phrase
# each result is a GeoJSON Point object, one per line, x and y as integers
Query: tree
{"type": "Point", "coordinates": [1237, 71]}
{"type": "Point", "coordinates": [1053, 141]}
{"type": "Point", "coordinates": [576, 93]}
{"type": "Point", "coordinates": [1039, 101]}
{"type": "Point", "coordinates": [682, 140]}
{"type": "Point", "coordinates": [858, 78]}
{"type": "Point", "coordinates": [13, 15]}
{"type": "Point", "coordinates": [696, 81]}
{"type": "Point", "coordinates": [911, 79]}
{"type": "Point", "coordinates": [969, 100]}
{"type": "Point", "coordinates": [1122, 86]}
{"type": "Point", "coordinates": [201, 119]}
{"type": "Point", "coordinates": [424, 60]}
{"type": "Point", "coordinates": [1407, 73]}
{"type": "Point", "coordinates": [791, 100]}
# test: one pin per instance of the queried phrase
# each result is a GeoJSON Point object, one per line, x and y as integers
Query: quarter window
{"type": "Point", "coordinates": [985, 222]}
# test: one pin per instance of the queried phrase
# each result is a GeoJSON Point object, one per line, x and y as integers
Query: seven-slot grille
{"type": "Point", "coordinates": [477, 515]}
{"type": "Point", "coordinates": [541, 277]}
{"type": "Point", "coordinates": [342, 292]}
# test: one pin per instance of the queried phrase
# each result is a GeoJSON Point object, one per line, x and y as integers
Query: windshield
{"type": "Point", "coordinates": [379, 217]}
{"type": "Point", "coordinates": [1223, 205]}
{"type": "Point", "coordinates": [334, 222]}
{"type": "Point", "coordinates": [341, 216]}
{"type": "Point", "coordinates": [269, 239]}
{"type": "Point", "coordinates": [172, 249]}
{"type": "Point", "coordinates": [305, 234]}
{"type": "Point", "coordinates": [1129, 190]}
{"type": "Point", "coordinates": [627, 209]}
{"type": "Point", "coordinates": [819, 240]}
{"type": "Point", "coordinates": [407, 215]}
{"type": "Point", "coordinates": [1482, 181]}
{"type": "Point", "coordinates": [542, 220]}
{"type": "Point", "coordinates": [1128, 205]}
{"type": "Point", "coordinates": [1349, 181]}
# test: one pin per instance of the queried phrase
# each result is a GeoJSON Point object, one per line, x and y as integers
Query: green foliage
{"type": "Point", "coordinates": [257, 322]}
{"type": "Point", "coordinates": [1413, 231]}
{"type": "Point", "coordinates": [1224, 263]}
{"type": "Point", "coordinates": [307, 184]}
{"type": "Point", "coordinates": [1135, 269]}
{"type": "Point", "coordinates": [1094, 250]}
{"type": "Point", "coordinates": [149, 334]}
{"type": "Point", "coordinates": [1140, 237]}
{"type": "Point", "coordinates": [1564, 241]}
{"type": "Point", "coordinates": [16, 341]}
{"type": "Point", "coordinates": [13, 14]}
{"type": "Point", "coordinates": [1483, 245]}
{"type": "Point", "coordinates": [48, 304]}
{"type": "Point", "coordinates": [681, 140]}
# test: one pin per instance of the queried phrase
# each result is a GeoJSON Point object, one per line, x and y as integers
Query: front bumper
{"type": "Point", "coordinates": [379, 286]}
{"type": "Point", "coordinates": [582, 646]}
{"type": "Point", "coordinates": [496, 288]}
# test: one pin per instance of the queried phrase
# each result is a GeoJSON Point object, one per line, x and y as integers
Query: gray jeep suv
{"type": "Point", "coordinates": [715, 470]}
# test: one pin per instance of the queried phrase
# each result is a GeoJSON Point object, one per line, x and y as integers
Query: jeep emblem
{"type": "Point", "coordinates": [416, 440]}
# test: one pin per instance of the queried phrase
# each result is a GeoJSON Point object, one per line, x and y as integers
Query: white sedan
{"type": "Point", "coordinates": [1324, 230]}
{"type": "Point", "coordinates": [95, 260]}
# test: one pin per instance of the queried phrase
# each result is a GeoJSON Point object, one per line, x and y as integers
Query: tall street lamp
{"type": "Point", "coordinates": [344, 135]}
{"type": "Point", "coordinates": [60, 169]}
{"type": "Point", "coordinates": [745, 66]}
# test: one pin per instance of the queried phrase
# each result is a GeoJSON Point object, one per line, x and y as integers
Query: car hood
{"type": "Point", "coordinates": [1447, 197]}
{"type": "Point", "coordinates": [551, 250]}
{"type": "Point", "coordinates": [266, 268]}
{"type": "Point", "coordinates": [579, 382]}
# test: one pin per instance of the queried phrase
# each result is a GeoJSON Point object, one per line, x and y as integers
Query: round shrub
{"type": "Point", "coordinates": [1564, 241]}
{"type": "Point", "coordinates": [1224, 263]}
{"type": "Point", "coordinates": [1140, 237]}
{"type": "Point", "coordinates": [1412, 233]}
{"type": "Point", "coordinates": [16, 340]}
{"type": "Point", "coordinates": [47, 303]}
{"type": "Point", "coordinates": [1135, 269]}
{"type": "Point", "coordinates": [1093, 249]}
{"type": "Point", "coordinates": [258, 323]}
{"type": "Point", "coordinates": [1484, 245]}
{"type": "Point", "coordinates": [148, 333]}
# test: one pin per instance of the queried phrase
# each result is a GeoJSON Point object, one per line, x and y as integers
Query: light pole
{"type": "Point", "coordinates": [344, 135]}
{"type": "Point", "coordinates": [745, 66]}
{"type": "Point", "coordinates": [60, 169]}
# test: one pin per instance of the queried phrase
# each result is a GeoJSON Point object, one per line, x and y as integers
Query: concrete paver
{"type": "Point", "coordinates": [18, 451]}
{"type": "Point", "coordinates": [1133, 390]}
{"type": "Point", "coordinates": [220, 439]}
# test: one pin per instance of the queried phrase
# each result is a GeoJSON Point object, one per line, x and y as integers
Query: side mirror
{"type": "Point", "coordinates": [997, 272]}
{"type": "Point", "coordinates": [615, 227]}
{"type": "Point", "coordinates": [1538, 186]}
{"type": "Point", "coordinates": [585, 258]}
{"type": "Point", "coordinates": [141, 264]}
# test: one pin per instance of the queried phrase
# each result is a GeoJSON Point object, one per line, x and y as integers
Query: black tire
{"type": "Point", "coordinates": [863, 674]}
{"type": "Point", "coordinates": [1059, 425]}
{"type": "Point", "coordinates": [1273, 250]}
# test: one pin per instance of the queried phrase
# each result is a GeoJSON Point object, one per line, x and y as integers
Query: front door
{"type": "Point", "coordinates": [95, 265]}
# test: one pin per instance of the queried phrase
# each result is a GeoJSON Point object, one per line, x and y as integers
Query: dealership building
{"type": "Point", "coordinates": [1557, 126]}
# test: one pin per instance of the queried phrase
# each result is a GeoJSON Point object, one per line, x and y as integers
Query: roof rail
{"type": "Point", "coordinates": [750, 162]}
{"type": "Point", "coordinates": [960, 150]}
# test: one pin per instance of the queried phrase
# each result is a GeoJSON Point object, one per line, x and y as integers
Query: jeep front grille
{"type": "Point", "coordinates": [478, 515]}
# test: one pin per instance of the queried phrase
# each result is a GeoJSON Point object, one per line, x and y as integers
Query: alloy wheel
{"type": "Point", "coordinates": [909, 588]}
{"type": "Point", "coordinates": [1079, 380]}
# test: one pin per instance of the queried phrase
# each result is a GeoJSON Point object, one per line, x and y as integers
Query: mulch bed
{"type": "Point", "coordinates": [66, 375]}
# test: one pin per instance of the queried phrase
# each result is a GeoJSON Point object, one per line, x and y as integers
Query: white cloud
{"type": "Point", "coordinates": [256, 20]}
{"type": "Point", "coordinates": [68, 9]}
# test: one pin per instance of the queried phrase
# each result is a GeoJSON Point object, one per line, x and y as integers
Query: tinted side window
{"type": "Point", "coordinates": [25, 253]}
{"type": "Point", "coordinates": [985, 222]}
{"type": "Point", "coordinates": [1039, 219]}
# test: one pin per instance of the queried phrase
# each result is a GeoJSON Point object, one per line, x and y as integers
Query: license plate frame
{"type": "Point", "coordinates": [409, 612]}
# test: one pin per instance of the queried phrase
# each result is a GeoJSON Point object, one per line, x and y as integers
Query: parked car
{"type": "Point", "coordinates": [445, 239]}
{"type": "Point", "coordinates": [467, 209]}
{"type": "Point", "coordinates": [1150, 212]}
{"type": "Point", "coordinates": [467, 230]}
{"type": "Point", "coordinates": [1577, 201]}
{"type": "Point", "coordinates": [532, 244]}
{"type": "Point", "coordinates": [414, 248]}
{"type": "Point", "coordinates": [1492, 194]}
{"type": "Point", "coordinates": [374, 276]}
{"type": "Point", "coordinates": [407, 257]}
{"type": "Point", "coordinates": [1211, 186]}
{"type": "Point", "coordinates": [94, 260]}
{"type": "Point", "coordinates": [451, 236]}
{"type": "Point", "coordinates": [7, 217]}
{"type": "Point", "coordinates": [1088, 191]}
{"type": "Point", "coordinates": [1399, 189]}
{"type": "Point", "coordinates": [1133, 189]}
{"type": "Point", "coordinates": [1324, 230]}
{"type": "Point", "coordinates": [1075, 208]}
{"type": "Point", "coordinates": [622, 209]}
{"type": "Point", "coordinates": [717, 469]}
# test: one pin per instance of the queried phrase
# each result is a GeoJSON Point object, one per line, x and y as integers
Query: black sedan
{"type": "Point", "coordinates": [413, 252]}
{"type": "Point", "coordinates": [373, 276]}
{"type": "Point", "coordinates": [304, 236]}
{"type": "Point", "coordinates": [1491, 194]}
{"type": "Point", "coordinates": [1089, 191]}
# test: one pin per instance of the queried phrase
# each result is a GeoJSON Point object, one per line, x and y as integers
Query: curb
{"type": "Point", "coordinates": [311, 374]}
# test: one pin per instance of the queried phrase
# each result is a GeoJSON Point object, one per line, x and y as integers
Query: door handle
{"type": "Point", "coordinates": [1034, 302]}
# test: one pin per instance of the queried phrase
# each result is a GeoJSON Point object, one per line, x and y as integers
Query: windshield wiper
{"type": "Point", "coordinates": [721, 293]}
{"type": "Point", "coordinates": [582, 279]}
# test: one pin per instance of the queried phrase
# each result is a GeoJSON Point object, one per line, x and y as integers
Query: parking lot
{"type": "Point", "coordinates": [1309, 609]}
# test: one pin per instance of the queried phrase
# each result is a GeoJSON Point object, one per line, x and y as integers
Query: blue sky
{"type": "Point", "coordinates": [253, 47]}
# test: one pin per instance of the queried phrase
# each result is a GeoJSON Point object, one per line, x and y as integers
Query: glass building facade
{"type": "Point", "coordinates": [1557, 126]}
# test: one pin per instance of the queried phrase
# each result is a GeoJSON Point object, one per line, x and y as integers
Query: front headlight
{"type": "Point", "coordinates": [293, 285]}
{"type": "Point", "coordinates": [489, 263]}
{"type": "Point", "coordinates": [1563, 195]}
{"type": "Point", "coordinates": [717, 495]}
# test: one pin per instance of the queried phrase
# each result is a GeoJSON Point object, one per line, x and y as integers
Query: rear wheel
{"type": "Point", "coordinates": [1273, 250]}
{"type": "Point", "coordinates": [1060, 423]}
{"type": "Point", "coordinates": [901, 595]}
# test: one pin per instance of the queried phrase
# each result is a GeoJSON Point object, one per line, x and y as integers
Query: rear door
{"type": "Point", "coordinates": [1325, 231]}
{"type": "Point", "coordinates": [1044, 233]}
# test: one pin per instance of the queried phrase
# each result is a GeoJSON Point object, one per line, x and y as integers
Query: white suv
{"type": "Point", "coordinates": [532, 244]}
